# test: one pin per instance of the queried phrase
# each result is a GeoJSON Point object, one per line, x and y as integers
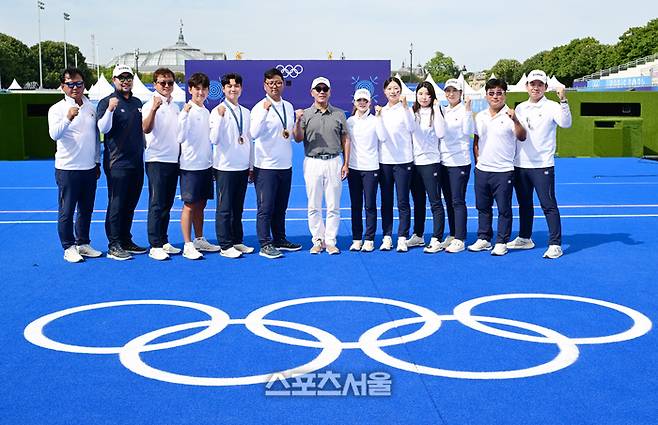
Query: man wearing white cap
{"type": "Point", "coordinates": [534, 163]}
{"type": "Point", "coordinates": [120, 120]}
{"type": "Point", "coordinates": [323, 128]}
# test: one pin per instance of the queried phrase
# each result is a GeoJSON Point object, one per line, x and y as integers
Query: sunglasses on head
{"type": "Point", "coordinates": [169, 83]}
{"type": "Point", "coordinates": [72, 84]}
{"type": "Point", "coordinates": [321, 89]}
{"type": "Point", "coordinates": [124, 78]}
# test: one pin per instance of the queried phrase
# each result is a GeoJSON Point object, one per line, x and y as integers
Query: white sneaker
{"type": "Point", "coordinates": [521, 243]}
{"type": "Point", "coordinates": [499, 249]}
{"type": "Point", "coordinates": [434, 246]}
{"type": "Point", "coordinates": [368, 246]}
{"type": "Point", "coordinates": [356, 245]}
{"type": "Point", "coordinates": [170, 249]}
{"type": "Point", "coordinates": [317, 247]}
{"type": "Point", "coordinates": [415, 240]}
{"type": "Point", "coordinates": [72, 255]}
{"type": "Point", "coordinates": [455, 246]}
{"type": "Point", "coordinates": [447, 241]}
{"type": "Point", "coordinates": [480, 245]}
{"type": "Point", "coordinates": [158, 254]}
{"type": "Point", "coordinates": [387, 244]}
{"type": "Point", "coordinates": [402, 244]}
{"type": "Point", "coordinates": [553, 252]}
{"type": "Point", "coordinates": [244, 248]}
{"type": "Point", "coordinates": [230, 253]}
{"type": "Point", "coordinates": [332, 249]}
{"type": "Point", "coordinates": [190, 252]}
{"type": "Point", "coordinates": [87, 251]}
{"type": "Point", "coordinates": [201, 244]}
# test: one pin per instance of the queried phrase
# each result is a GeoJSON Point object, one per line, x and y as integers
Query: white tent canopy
{"type": "Point", "coordinates": [101, 89]}
{"type": "Point", "coordinates": [178, 94]}
{"type": "Point", "coordinates": [14, 85]}
{"type": "Point", "coordinates": [519, 86]}
{"type": "Point", "coordinates": [553, 83]}
{"type": "Point", "coordinates": [492, 76]}
{"type": "Point", "coordinates": [468, 90]}
{"type": "Point", "coordinates": [140, 91]}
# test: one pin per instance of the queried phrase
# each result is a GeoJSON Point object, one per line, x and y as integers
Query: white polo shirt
{"type": "Point", "coordinates": [364, 142]}
{"type": "Point", "coordinates": [396, 125]}
{"type": "Point", "coordinates": [161, 142]}
{"type": "Point", "coordinates": [229, 154]}
{"type": "Point", "coordinates": [271, 150]}
{"type": "Point", "coordinates": [540, 119]}
{"type": "Point", "coordinates": [497, 141]}
{"type": "Point", "coordinates": [426, 135]}
{"type": "Point", "coordinates": [78, 145]}
{"type": "Point", "coordinates": [194, 138]}
{"type": "Point", "coordinates": [456, 144]}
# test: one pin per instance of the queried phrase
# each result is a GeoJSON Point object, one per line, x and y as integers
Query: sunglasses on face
{"type": "Point", "coordinates": [275, 83]}
{"type": "Point", "coordinates": [76, 84]}
{"type": "Point", "coordinates": [495, 93]}
{"type": "Point", "coordinates": [321, 89]}
{"type": "Point", "coordinates": [362, 101]}
{"type": "Point", "coordinates": [169, 83]}
{"type": "Point", "coordinates": [124, 78]}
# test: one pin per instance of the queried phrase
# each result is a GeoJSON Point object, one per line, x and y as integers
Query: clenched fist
{"type": "Point", "coordinates": [112, 105]}
{"type": "Point", "coordinates": [73, 112]}
{"type": "Point", "coordinates": [221, 110]}
{"type": "Point", "coordinates": [157, 101]}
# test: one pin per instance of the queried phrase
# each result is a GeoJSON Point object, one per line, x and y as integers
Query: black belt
{"type": "Point", "coordinates": [324, 156]}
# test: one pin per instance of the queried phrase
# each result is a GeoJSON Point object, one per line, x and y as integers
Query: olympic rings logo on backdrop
{"type": "Point", "coordinates": [290, 71]}
{"type": "Point", "coordinates": [370, 342]}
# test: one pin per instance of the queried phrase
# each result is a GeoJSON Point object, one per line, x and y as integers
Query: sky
{"type": "Point", "coordinates": [474, 33]}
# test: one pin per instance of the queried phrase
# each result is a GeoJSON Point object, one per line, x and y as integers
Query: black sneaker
{"type": "Point", "coordinates": [133, 248]}
{"type": "Point", "coordinates": [117, 253]}
{"type": "Point", "coordinates": [269, 251]}
{"type": "Point", "coordinates": [286, 245]}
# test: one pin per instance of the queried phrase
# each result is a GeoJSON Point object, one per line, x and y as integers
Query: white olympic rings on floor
{"type": "Point", "coordinates": [331, 347]}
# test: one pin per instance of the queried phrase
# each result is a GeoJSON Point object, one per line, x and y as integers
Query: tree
{"type": "Point", "coordinates": [52, 54]}
{"type": "Point", "coordinates": [15, 61]}
{"type": "Point", "coordinates": [442, 67]}
{"type": "Point", "coordinates": [637, 42]}
{"type": "Point", "coordinates": [580, 57]}
{"type": "Point", "coordinates": [509, 70]}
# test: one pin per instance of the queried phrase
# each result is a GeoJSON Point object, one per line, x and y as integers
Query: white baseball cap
{"type": "Point", "coordinates": [454, 83]}
{"type": "Point", "coordinates": [320, 80]}
{"type": "Point", "coordinates": [362, 94]}
{"type": "Point", "coordinates": [537, 75]}
{"type": "Point", "coordinates": [121, 69]}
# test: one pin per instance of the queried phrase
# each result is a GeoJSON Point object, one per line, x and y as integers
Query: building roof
{"type": "Point", "coordinates": [172, 57]}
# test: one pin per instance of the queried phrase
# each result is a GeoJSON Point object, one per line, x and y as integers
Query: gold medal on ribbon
{"type": "Point", "coordinates": [286, 133]}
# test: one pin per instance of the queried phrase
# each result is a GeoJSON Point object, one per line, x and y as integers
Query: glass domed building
{"type": "Point", "coordinates": [172, 57]}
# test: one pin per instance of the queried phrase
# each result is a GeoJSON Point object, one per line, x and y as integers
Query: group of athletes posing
{"type": "Point", "coordinates": [424, 149]}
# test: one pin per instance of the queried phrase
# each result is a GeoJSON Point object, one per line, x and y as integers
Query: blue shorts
{"type": "Point", "coordinates": [196, 185]}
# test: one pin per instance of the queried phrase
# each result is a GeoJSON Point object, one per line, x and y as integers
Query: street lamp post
{"type": "Point", "coordinates": [136, 61]}
{"type": "Point", "coordinates": [67, 17]}
{"type": "Point", "coordinates": [411, 62]}
{"type": "Point", "coordinates": [40, 6]}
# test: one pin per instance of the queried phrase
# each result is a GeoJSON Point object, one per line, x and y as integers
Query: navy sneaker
{"type": "Point", "coordinates": [269, 251]}
{"type": "Point", "coordinates": [133, 248]}
{"type": "Point", "coordinates": [286, 245]}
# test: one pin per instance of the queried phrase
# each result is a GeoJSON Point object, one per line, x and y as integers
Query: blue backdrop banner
{"type": "Point", "coordinates": [345, 75]}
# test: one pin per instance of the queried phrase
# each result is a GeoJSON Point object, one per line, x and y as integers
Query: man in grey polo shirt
{"type": "Point", "coordinates": [323, 128]}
